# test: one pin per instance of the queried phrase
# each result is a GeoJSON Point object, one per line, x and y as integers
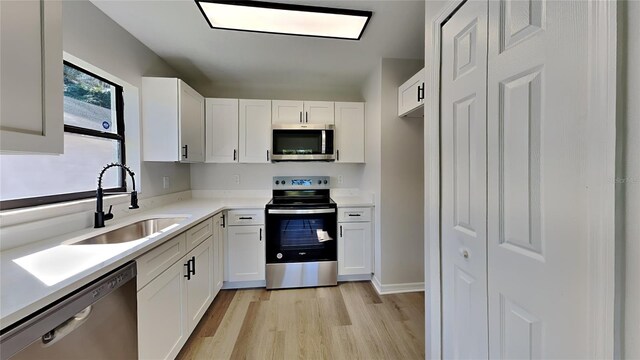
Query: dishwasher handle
{"type": "Point", "coordinates": [67, 327]}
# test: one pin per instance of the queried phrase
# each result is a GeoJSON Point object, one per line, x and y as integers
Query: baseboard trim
{"type": "Point", "coordinates": [244, 284]}
{"type": "Point", "coordinates": [385, 289]}
{"type": "Point", "coordinates": [359, 277]}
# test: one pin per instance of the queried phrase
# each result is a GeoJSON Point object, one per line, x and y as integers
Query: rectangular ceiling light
{"type": "Point", "coordinates": [289, 19]}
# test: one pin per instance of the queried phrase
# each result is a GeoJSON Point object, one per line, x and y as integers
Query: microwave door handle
{"type": "Point", "coordinates": [324, 142]}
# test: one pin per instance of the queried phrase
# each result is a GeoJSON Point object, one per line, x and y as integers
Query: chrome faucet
{"type": "Point", "coordinates": [100, 216]}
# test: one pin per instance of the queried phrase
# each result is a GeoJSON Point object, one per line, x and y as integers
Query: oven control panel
{"type": "Point", "coordinates": [301, 182]}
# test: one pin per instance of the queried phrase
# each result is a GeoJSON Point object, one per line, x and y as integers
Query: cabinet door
{"type": "Point", "coordinates": [411, 95]}
{"type": "Point", "coordinates": [349, 132]}
{"type": "Point", "coordinates": [162, 322]}
{"type": "Point", "coordinates": [246, 253]}
{"type": "Point", "coordinates": [200, 283]}
{"type": "Point", "coordinates": [218, 254]}
{"type": "Point", "coordinates": [255, 131]}
{"type": "Point", "coordinates": [31, 84]}
{"type": "Point", "coordinates": [287, 112]}
{"type": "Point", "coordinates": [191, 124]}
{"type": "Point", "coordinates": [318, 112]}
{"type": "Point", "coordinates": [354, 248]}
{"type": "Point", "coordinates": [222, 130]}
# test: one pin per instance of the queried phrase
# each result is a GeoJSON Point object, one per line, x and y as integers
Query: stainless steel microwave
{"type": "Point", "coordinates": [303, 142]}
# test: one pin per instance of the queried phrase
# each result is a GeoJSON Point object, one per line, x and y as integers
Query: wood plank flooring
{"type": "Point", "coordinates": [349, 321]}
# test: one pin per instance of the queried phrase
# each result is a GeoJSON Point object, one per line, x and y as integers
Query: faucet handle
{"type": "Point", "coordinates": [109, 215]}
{"type": "Point", "coordinates": [134, 200]}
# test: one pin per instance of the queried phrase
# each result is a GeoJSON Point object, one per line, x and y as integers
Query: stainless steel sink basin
{"type": "Point", "coordinates": [131, 232]}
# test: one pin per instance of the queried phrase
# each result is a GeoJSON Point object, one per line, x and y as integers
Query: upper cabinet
{"type": "Point", "coordinates": [31, 85]}
{"type": "Point", "coordinates": [318, 112]}
{"type": "Point", "coordinates": [255, 131]}
{"type": "Point", "coordinates": [302, 112]}
{"type": "Point", "coordinates": [349, 118]}
{"type": "Point", "coordinates": [222, 130]}
{"type": "Point", "coordinates": [411, 96]}
{"type": "Point", "coordinates": [173, 121]}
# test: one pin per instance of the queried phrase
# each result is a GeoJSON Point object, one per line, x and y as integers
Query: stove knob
{"type": "Point", "coordinates": [325, 182]}
{"type": "Point", "coordinates": [282, 182]}
{"type": "Point", "coordinates": [319, 182]}
{"type": "Point", "coordinates": [277, 182]}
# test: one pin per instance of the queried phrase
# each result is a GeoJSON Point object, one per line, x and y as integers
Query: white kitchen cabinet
{"type": "Point", "coordinates": [349, 133]}
{"type": "Point", "coordinates": [162, 320]}
{"type": "Point", "coordinates": [218, 252]}
{"type": "Point", "coordinates": [246, 253]}
{"type": "Point", "coordinates": [318, 112]}
{"type": "Point", "coordinates": [355, 243]}
{"type": "Point", "coordinates": [287, 112]}
{"type": "Point", "coordinates": [411, 96]}
{"type": "Point", "coordinates": [31, 77]}
{"type": "Point", "coordinates": [172, 121]}
{"type": "Point", "coordinates": [302, 112]}
{"type": "Point", "coordinates": [200, 283]}
{"type": "Point", "coordinates": [222, 130]}
{"type": "Point", "coordinates": [173, 302]}
{"type": "Point", "coordinates": [255, 131]}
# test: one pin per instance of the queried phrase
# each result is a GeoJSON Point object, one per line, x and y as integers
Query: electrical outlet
{"type": "Point", "coordinates": [236, 179]}
{"type": "Point", "coordinates": [165, 182]}
{"type": "Point", "coordinates": [340, 179]}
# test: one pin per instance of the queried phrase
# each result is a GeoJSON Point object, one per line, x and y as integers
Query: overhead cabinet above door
{"type": "Point", "coordinates": [411, 96]}
{"type": "Point", "coordinates": [302, 112]}
{"type": "Point", "coordinates": [173, 121]}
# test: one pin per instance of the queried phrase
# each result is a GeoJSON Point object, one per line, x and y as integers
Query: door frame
{"type": "Point", "coordinates": [600, 130]}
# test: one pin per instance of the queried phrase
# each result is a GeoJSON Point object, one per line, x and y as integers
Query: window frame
{"type": "Point", "coordinates": [119, 136]}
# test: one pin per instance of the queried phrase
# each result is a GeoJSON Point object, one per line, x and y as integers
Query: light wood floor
{"type": "Point", "coordinates": [349, 321]}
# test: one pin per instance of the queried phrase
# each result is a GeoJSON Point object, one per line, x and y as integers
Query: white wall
{"type": "Point", "coordinates": [394, 173]}
{"type": "Point", "coordinates": [373, 146]}
{"type": "Point", "coordinates": [628, 176]}
{"type": "Point", "coordinates": [93, 37]}
{"type": "Point", "coordinates": [259, 176]}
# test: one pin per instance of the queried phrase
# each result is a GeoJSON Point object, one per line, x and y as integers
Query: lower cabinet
{"type": "Point", "coordinates": [171, 305]}
{"type": "Point", "coordinates": [355, 242]}
{"type": "Point", "coordinates": [246, 253]}
{"type": "Point", "coordinates": [162, 319]}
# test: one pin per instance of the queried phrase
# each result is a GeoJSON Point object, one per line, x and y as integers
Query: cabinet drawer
{"type": "Point", "coordinates": [154, 262]}
{"type": "Point", "coordinates": [199, 233]}
{"type": "Point", "coordinates": [245, 217]}
{"type": "Point", "coordinates": [354, 214]}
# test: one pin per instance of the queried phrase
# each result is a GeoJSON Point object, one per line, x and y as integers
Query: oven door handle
{"type": "Point", "coordinates": [300, 211]}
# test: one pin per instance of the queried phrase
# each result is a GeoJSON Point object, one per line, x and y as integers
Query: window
{"type": "Point", "coordinates": [93, 137]}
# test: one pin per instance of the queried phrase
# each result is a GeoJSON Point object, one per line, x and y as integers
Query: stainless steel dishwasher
{"type": "Point", "coordinates": [98, 321]}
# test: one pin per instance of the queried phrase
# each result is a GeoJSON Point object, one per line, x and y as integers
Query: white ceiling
{"type": "Point", "coordinates": [208, 58]}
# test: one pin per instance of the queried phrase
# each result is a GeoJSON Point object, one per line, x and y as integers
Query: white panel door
{"type": "Point", "coordinates": [319, 112]}
{"type": "Point", "coordinates": [349, 133]}
{"type": "Point", "coordinates": [255, 131]}
{"type": "Point", "coordinates": [354, 248]}
{"type": "Point", "coordinates": [222, 130]}
{"type": "Point", "coordinates": [537, 228]}
{"type": "Point", "coordinates": [245, 253]}
{"type": "Point", "coordinates": [200, 283]}
{"type": "Point", "coordinates": [162, 321]}
{"type": "Point", "coordinates": [287, 112]}
{"type": "Point", "coordinates": [31, 84]}
{"type": "Point", "coordinates": [191, 124]}
{"type": "Point", "coordinates": [463, 216]}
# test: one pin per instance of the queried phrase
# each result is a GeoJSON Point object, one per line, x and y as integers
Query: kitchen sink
{"type": "Point", "coordinates": [131, 232]}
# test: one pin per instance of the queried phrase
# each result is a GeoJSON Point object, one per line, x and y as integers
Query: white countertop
{"type": "Point", "coordinates": [56, 269]}
{"type": "Point", "coordinates": [37, 274]}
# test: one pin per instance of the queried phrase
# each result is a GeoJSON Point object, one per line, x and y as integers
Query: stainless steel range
{"type": "Point", "coordinates": [301, 226]}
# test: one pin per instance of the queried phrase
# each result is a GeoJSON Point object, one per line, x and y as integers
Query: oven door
{"type": "Point", "coordinates": [301, 235]}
